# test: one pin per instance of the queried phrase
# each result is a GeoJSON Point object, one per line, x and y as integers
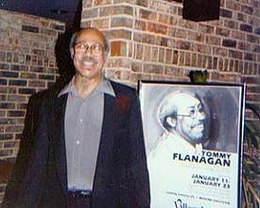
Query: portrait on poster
{"type": "Point", "coordinates": [193, 135]}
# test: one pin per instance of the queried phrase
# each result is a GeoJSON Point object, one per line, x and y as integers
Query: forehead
{"type": "Point", "coordinates": [187, 101]}
{"type": "Point", "coordinates": [90, 35]}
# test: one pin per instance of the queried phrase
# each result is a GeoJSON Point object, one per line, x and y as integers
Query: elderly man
{"type": "Point", "coordinates": [183, 117]}
{"type": "Point", "coordinates": [88, 147]}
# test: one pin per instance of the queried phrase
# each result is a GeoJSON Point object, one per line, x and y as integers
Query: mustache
{"type": "Point", "coordinates": [200, 123]}
{"type": "Point", "coordinates": [88, 59]}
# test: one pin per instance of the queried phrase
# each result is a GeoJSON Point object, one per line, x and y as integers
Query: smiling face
{"type": "Point", "coordinates": [190, 118]}
{"type": "Point", "coordinates": [184, 114]}
{"type": "Point", "coordinates": [88, 54]}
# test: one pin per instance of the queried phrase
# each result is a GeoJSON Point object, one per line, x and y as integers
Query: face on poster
{"type": "Point", "coordinates": [193, 137]}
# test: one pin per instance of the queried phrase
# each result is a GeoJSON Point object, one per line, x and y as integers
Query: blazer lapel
{"type": "Point", "coordinates": [109, 127]}
{"type": "Point", "coordinates": [59, 139]}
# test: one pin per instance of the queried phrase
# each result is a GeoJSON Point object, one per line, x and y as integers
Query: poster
{"type": "Point", "coordinates": [193, 138]}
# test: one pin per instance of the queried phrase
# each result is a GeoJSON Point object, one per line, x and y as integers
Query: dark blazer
{"type": "Point", "coordinates": [121, 176]}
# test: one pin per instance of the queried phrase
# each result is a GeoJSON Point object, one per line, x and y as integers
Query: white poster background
{"type": "Point", "coordinates": [176, 179]}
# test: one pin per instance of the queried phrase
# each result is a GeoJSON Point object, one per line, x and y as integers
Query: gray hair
{"type": "Point", "coordinates": [169, 107]}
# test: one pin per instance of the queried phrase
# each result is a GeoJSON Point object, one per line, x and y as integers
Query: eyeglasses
{"type": "Point", "coordinates": [95, 49]}
{"type": "Point", "coordinates": [193, 112]}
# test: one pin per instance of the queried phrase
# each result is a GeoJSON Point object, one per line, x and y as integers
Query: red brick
{"type": "Point", "coordinates": [156, 28]}
{"type": "Point", "coordinates": [5, 136]}
{"type": "Point", "coordinates": [17, 82]}
{"type": "Point", "coordinates": [175, 57]}
{"type": "Point", "coordinates": [9, 74]}
{"type": "Point", "coordinates": [168, 56]}
{"type": "Point", "coordinates": [16, 98]}
{"type": "Point", "coordinates": [187, 24]}
{"type": "Point", "coordinates": [143, 3]}
{"type": "Point", "coordinates": [139, 50]}
{"type": "Point", "coordinates": [140, 76]}
{"type": "Point", "coordinates": [205, 28]}
{"type": "Point", "coordinates": [213, 40]}
{"type": "Point", "coordinates": [16, 113]}
{"type": "Point", "coordinates": [118, 48]}
{"type": "Point", "coordinates": [147, 53]}
{"type": "Point", "coordinates": [173, 71]}
{"type": "Point", "coordinates": [140, 25]}
{"type": "Point", "coordinates": [247, 9]}
{"type": "Point", "coordinates": [153, 68]}
{"type": "Point", "coordinates": [148, 15]}
{"type": "Point", "coordinates": [181, 33]}
{"type": "Point", "coordinates": [11, 144]}
{"type": "Point", "coordinates": [116, 10]}
{"type": "Point", "coordinates": [185, 45]}
{"type": "Point", "coordinates": [38, 83]}
{"type": "Point", "coordinates": [122, 22]}
{"type": "Point", "coordinates": [118, 34]}
{"type": "Point", "coordinates": [136, 66]}
{"type": "Point", "coordinates": [196, 36]}
{"type": "Point", "coordinates": [89, 13]}
{"type": "Point", "coordinates": [223, 32]}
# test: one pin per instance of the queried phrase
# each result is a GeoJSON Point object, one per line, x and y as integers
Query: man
{"type": "Point", "coordinates": [183, 117]}
{"type": "Point", "coordinates": [88, 147]}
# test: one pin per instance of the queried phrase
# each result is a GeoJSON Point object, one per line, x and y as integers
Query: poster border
{"type": "Point", "coordinates": [242, 101]}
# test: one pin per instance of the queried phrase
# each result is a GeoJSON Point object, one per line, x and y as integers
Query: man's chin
{"type": "Point", "coordinates": [90, 75]}
{"type": "Point", "coordinates": [87, 68]}
{"type": "Point", "coordinates": [196, 140]}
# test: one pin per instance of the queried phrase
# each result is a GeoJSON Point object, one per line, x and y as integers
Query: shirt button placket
{"type": "Point", "coordinates": [80, 123]}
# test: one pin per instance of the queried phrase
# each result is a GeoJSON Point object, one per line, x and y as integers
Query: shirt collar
{"type": "Point", "coordinates": [104, 87]}
{"type": "Point", "coordinates": [184, 145]}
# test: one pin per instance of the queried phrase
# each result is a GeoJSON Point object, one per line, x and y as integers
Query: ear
{"type": "Point", "coordinates": [71, 53]}
{"type": "Point", "coordinates": [171, 121]}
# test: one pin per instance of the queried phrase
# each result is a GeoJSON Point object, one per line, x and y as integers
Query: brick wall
{"type": "Point", "coordinates": [27, 65]}
{"type": "Point", "coordinates": [149, 39]}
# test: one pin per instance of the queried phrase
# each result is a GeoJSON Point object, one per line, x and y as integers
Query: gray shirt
{"type": "Point", "coordinates": [83, 123]}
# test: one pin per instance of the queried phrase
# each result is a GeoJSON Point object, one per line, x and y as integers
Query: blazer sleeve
{"type": "Point", "coordinates": [138, 178]}
{"type": "Point", "coordinates": [21, 163]}
{"type": "Point", "coordinates": [14, 189]}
